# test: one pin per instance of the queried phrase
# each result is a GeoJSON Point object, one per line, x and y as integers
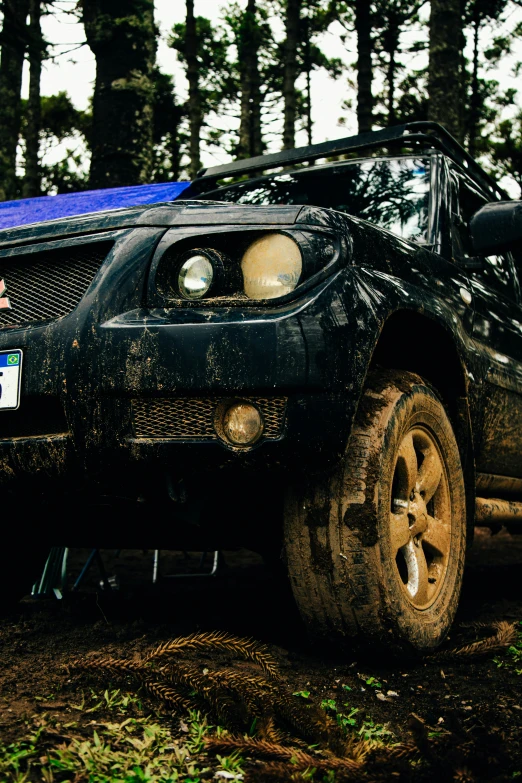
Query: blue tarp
{"type": "Point", "coordinates": [33, 210]}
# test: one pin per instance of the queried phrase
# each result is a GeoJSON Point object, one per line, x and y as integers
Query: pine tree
{"type": "Point", "coordinates": [248, 41]}
{"type": "Point", "coordinates": [391, 19]}
{"type": "Point", "coordinates": [478, 14]}
{"type": "Point", "coordinates": [211, 83]}
{"type": "Point", "coordinates": [507, 150]}
{"type": "Point", "coordinates": [363, 29]}
{"type": "Point", "coordinates": [168, 137]}
{"type": "Point", "coordinates": [194, 102]}
{"type": "Point", "coordinates": [122, 35]}
{"type": "Point", "coordinates": [32, 178]}
{"type": "Point", "coordinates": [292, 26]}
{"type": "Point", "coordinates": [316, 19]}
{"type": "Point", "coordinates": [14, 41]}
{"type": "Point", "coordinates": [358, 16]}
{"type": "Point", "coordinates": [412, 102]}
{"type": "Point", "coordinates": [445, 80]}
{"type": "Point", "coordinates": [61, 122]}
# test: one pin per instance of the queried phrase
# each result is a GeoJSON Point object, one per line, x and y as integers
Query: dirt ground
{"type": "Point", "coordinates": [471, 705]}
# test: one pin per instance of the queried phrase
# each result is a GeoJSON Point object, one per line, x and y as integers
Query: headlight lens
{"type": "Point", "coordinates": [271, 266]}
{"type": "Point", "coordinates": [195, 276]}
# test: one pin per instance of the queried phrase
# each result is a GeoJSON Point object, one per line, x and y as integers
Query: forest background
{"type": "Point", "coordinates": [245, 81]}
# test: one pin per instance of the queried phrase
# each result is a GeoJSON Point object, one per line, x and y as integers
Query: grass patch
{"type": "Point", "coordinates": [348, 720]}
{"type": "Point", "coordinates": [135, 750]}
{"type": "Point", "coordinates": [138, 749]}
{"type": "Point", "coordinates": [512, 657]}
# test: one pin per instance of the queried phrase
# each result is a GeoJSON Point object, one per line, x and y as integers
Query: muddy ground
{"type": "Point", "coordinates": [472, 705]}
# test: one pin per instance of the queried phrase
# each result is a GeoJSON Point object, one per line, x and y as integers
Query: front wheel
{"type": "Point", "coordinates": [376, 551]}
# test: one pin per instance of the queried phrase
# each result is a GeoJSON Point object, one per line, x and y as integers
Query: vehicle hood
{"type": "Point", "coordinates": [179, 213]}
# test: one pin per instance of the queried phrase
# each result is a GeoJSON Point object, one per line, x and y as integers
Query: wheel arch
{"type": "Point", "coordinates": [404, 344]}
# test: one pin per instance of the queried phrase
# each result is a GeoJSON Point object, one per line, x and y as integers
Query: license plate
{"type": "Point", "coordinates": [10, 379]}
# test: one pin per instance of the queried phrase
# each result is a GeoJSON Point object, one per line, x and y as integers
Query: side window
{"type": "Point", "coordinates": [497, 273]}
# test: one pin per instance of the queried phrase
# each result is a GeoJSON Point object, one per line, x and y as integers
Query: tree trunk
{"type": "Point", "coordinates": [474, 109]}
{"type": "Point", "coordinates": [250, 141]}
{"type": "Point", "coordinates": [11, 67]}
{"type": "Point", "coordinates": [175, 146]}
{"type": "Point", "coordinates": [363, 28]}
{"type": "Point", "coordinates": [445, 72]}
{"type": "Point", "coordinates": [194, 102]}
{"type": "Point", "coordinates": [308, 72]}
{"type": "Point", "coordinates": [122, 35]}
{"type": "Point", "coordinates": [392, 67]}
{"type": "Point", "coordinates": [257, 135]}
{"type": "Point", "coordinates": [31, 185]}
{"type": "Point", "coordinates": [293, 12]}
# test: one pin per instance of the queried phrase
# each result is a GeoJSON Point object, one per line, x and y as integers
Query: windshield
{"type": "Point", "coordinates": [392, 192]}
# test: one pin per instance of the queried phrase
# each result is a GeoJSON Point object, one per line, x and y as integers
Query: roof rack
{"type": "Point", "coordinates": [409, 134]}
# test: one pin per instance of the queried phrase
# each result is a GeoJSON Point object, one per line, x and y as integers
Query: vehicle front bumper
{"type": "Point", "coordinates": [90, 378]}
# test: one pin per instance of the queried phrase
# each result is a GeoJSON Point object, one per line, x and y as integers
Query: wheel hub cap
{"type": "Point", "coordinates": [420, 517]}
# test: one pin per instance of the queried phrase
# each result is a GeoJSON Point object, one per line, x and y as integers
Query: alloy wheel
{"type": "Point", "coordinates": [420, 517]}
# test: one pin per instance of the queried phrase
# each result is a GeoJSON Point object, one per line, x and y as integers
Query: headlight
{"type": "Point", "coordinates": [244, 266]}
{"type": "Point", "coordinates": [195, 276]}
{"type": "Point", "coordinates": [271, 266]}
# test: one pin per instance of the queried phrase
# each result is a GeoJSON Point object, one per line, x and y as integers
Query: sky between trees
{"type": "Point", "coordinates": [260, 81]}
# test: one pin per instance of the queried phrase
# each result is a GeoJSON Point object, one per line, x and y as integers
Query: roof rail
{"type": "Point", "coordinates": [409, 134]}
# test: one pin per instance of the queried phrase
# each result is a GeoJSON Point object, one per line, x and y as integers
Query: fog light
{"type": "Point", "coordinates": [242, 424]}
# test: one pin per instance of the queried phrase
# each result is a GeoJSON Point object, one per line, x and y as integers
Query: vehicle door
{"type": "Point", "coordinates": [497, 335]}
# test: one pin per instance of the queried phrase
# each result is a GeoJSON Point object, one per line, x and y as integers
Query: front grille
{"type": "Point", "coordinates": [47, 285]}
{"type": "Point", "coordinates": [192, 418]}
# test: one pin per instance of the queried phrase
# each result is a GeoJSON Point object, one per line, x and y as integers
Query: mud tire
{"type": "Point", "coordinates": [342, 570]}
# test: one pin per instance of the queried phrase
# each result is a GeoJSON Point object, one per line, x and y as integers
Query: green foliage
{"type": "Point", "coordinates": [168, 132]}
{"type": "Point", "coordinates": [60, 118]}
{"type": "Point", "coordinates": [391, 20]}
{"type": "Point", "coordinates": [104, 29]}
{"type": "Point", "coordinates": [346, 719]}
{"type": "Point", "coordinates": [17, 758]}
{"type": "Point", "coordinates": [198, 729]}
{"type": "Point", "coordinates": [62, 122]}
{"type": "Point", "coordinates": [329, 704]}
{"type": "Point", "coordinates": [232, 764]}
{"type": "Point", "coordinates": [68, 175]}
{"type": "Point", "coordinates": [116, 700]}
{"type": "Point", "coordinates": [376, 732]}
{"type": "Point", "coordinates": [316, 18]}
{"type": "Point", "coordinates": [215, 81]}
{"type": "Point", "coordinates": [512, 658]}
{"type": "Point", "coordinates": [137, 749]}
{"type": "Point", "coordinates": [373, 682]}
{"type": "Point", "coordinates": [110, 700]}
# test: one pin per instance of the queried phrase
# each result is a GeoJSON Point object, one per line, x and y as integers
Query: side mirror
{"type": "Point", "coordinates": [496, 228]}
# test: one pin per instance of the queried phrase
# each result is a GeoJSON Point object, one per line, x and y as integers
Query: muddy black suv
{"type": "Point", "coordinates": [324, 361]}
